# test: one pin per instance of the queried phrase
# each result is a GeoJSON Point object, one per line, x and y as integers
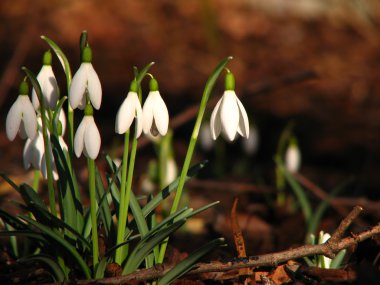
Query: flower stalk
{"type": "Point", "coordinates": [193, 140]}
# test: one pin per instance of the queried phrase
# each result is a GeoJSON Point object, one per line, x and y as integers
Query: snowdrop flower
{"type": "Point", "coordinates": [33, 151]}
{"type": "Point", "coordinates": [251, 144]}
{"type": "Point", "coordinates": [48, 83]}
{"type": "Point", "coordinates": [87, 137]}
{"type": "Point", "coordinates": [129, 109]}
{"type": "Point", "coordinates": [293, 157]}
{"type": "Point", "coordinates": [155, 112]}
{"type": "Point", "coordinates": [324, 261]}
{"type": "Point", "coordinates": [43, 160]}
{"type": "Point", "coordinates": [229, 115]}
{"type": "Point", "coordinates": [21, 116]}
{"type": "Point", "coordinates": [205, 138]}
{"type": "Point", "coordinates": [85, 84]}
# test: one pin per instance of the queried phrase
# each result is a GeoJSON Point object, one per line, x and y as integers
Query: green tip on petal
{"type": "Point", "coordinates": [229, 81]}
{"type": "Point", "coordinates": [47, 58]}
{"type": "Point", "coordinates": [24, 88]}
{"type": "Point", "coordinates": [88, 111]}
{"type": "Point", "coordinates": [134, 86]}
{"type": "Point", "coordinates": [87, 54]}
{"type": "Point", "coordinates": [153, 85]}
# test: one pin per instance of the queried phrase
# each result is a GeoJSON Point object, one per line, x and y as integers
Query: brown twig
{"type": "Point", "coordinates": [329, 249]}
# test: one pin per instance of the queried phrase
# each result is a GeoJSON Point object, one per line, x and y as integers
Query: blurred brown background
{"type": "Point", "coordinates": [337, 114]}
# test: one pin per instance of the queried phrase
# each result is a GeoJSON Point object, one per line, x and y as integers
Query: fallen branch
{"type": "Point", "coordinates": [329, 249]}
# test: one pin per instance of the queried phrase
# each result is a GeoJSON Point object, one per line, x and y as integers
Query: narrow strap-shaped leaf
{"type": "Point", "coordinates": [62, 58]}
{"type": "Point", "coordinates": [187, 264]}
{"type": "Point", "coordinates": [9, 181]}
{"type": "Point", "coordinates": [57, 271]}
{"type": "Point", "coordinates": [15, 222]}
{"type": "Point", "coordinates": [101, 268]}
{"type": "Point", "coordinates": [171, 188]}
{"type": "Point", "coordinates": [144, 248]}
{"type": "Point", "coordinates": [62, 242]}
{"type": "Point", "coordinates": [104, 209]}
{"type": "Point", "coordinates": [23, 233]}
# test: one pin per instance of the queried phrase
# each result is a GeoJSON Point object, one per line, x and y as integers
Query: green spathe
{"type": "Point", "coordinates": [153, 85]}
{"type": "Point", "coordinates": [47, 58]}
{"type": "Point", "coordinates": [87, 55]}
{"type": "Point", "coordinates": [23, 89]}
{"type": "Point", "coordinates": [229, 82]}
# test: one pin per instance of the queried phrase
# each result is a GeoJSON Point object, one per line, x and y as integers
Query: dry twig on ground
{"type": "Point", "coordinates": [335, 244]}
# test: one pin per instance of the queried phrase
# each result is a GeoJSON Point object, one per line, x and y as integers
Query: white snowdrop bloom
{"type": "Point", "coordinates": [325, 261]}
{"type": "Point", "coordinates": [21, 116]}
{"type": "Point", "coordinates": [48, 84]}
{"type": "Point", "coordinates": [87, 138]}
{"type": "Point", "coordinates": [229, 115]}
{"type": "Point", "coordinates": [171, 172]}
{"type": "Point", "coordinates": [85, 84]}
{"type": "Point", "coordinates": [33, 151]}
{"type": "Point", "coordinates": [293, 158]}
{"type": "Point", "coordinates": [129, 109]}
{"type": "Point", "coordinates": [251, 144]}
{"type": "Point", "coordinates": [205, 138]}
{"type": "Point", "coordinates": [62, 119]}
{"type": "Point", "coordinates": [155, 112]}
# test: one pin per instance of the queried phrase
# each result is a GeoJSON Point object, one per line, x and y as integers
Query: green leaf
{"type": "Point", "coordinates": [142, 73]}
{"type": "Point", "coordinates": [62, 58]}
{"type": "Point", "coordinates": [104, 209]}
{"type": "Point", "coordinates": [298, 191]}
{"type": "Point", "coordinates": [9, 181]}
{"type": "Point", "coordinates": [57, 271]}
{"type": "Point", "coordinates": [13, 221]}
{"type": "Point", "coordinates": [187, 264]}
{"type": "Point", "coordinates": [70, 200]}
{"type": "Point", "coordinates": [171, 188]}
{"type": "Point", "coordinates": [62, 242]}
{"type": "Point", "coordinates": [101, 268]}
{"type": "Point", "coordinates": [145, 246]}
{"type": "Point", "coordinates": [56, 114]}
{"type": "Point", "coordinates": [338, 259]}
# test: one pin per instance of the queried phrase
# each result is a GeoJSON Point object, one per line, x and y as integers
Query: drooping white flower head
{"type": "Point", "coordinates": [129, 109]}
{"type": "Point", "coordinates": [33, 151]}
{"type": "Point", "coordinates": [21, 116]}
{"type": "Point", "coordinates": [155, 112]}
{"type": "Point", "coordinates": [85, 84]}
{"type": "Point", "coordinates": [205, 138]}
{"type": "Point", "coordinates": [251, 144]}
{"type": "Point", "coordinates": [87, 137]}
{"type": "Point", "coordinates": [48, 83]}
{"type": "Point", "coordinates": [293, 157]}
{"type": "Point", "coordinates": [229, 115]}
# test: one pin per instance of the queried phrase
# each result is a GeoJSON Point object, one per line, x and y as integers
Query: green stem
{"type": "Point", "coordinates": [70, 124]}
{"type": "Point", "coordinates": [193, 140]}
{"type": "Point", "coordinates": [36, 179]}
{"type": "Point", "coordinates": [93, 209]}
{"type": "Point", "coordinates": [120, 251]}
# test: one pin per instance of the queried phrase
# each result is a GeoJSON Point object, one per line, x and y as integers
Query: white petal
{"type": "Point", "coordinates": [94, 87]}
{"type": "Point", "coordinates": [29, 117]}
{"type": "Point", "coordinates": [13, 120]}
{"type": "Point", "coordinates": [92, 140]}
{"type": "Point", "coordinates": [243, 127]}
{"type": "Point", "coordinates": [78, 86]}
{"type": "Point", "coordinates": [215, 123]}
{"type": "Point", "coordinates": [27, 153]}
{"type": "Point", "coordinates": [79, 136]}
{"type": "Point", "coordinates": [63, 144]}
{"type": "Point", "coordinates": [62, 119]}
{"type": "Point", "coordinates": [292, 159]}
{"type": "Point", "coordinates": [229, 114]}
{"type": "Point", "coordinates": [126, 113]}
{"type": "Point", "coordinates": [44, 169]}
{"type": "Point", "coordinates": [205, 137]}
{"type": "Point", "coordinates": [49, 87]}
{"type": "Point", "coordinates": [148, 113]}
{"type": "Point", "coordinates": [251, 144]}
{"type": "Point", "coordinates": [160, 114]}
{"type": "Point", "coordinates": [22, 131]}
{"type": "Point", "coordinates": [139, 120]}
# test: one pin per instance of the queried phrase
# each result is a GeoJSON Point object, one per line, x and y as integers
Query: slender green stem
{"type": "Point", "coordinates": [36, 179]}
{"type": "Point", "coordinates": [47, 145]}
{"type": "Point", "coordinates": [120, 251]}
{"type": "Point", "coordinates": [93, 209]}
{"type": "Point", "coordinates": [70, 124]}
{"type": "Point", "coordinates": [193, 140]}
